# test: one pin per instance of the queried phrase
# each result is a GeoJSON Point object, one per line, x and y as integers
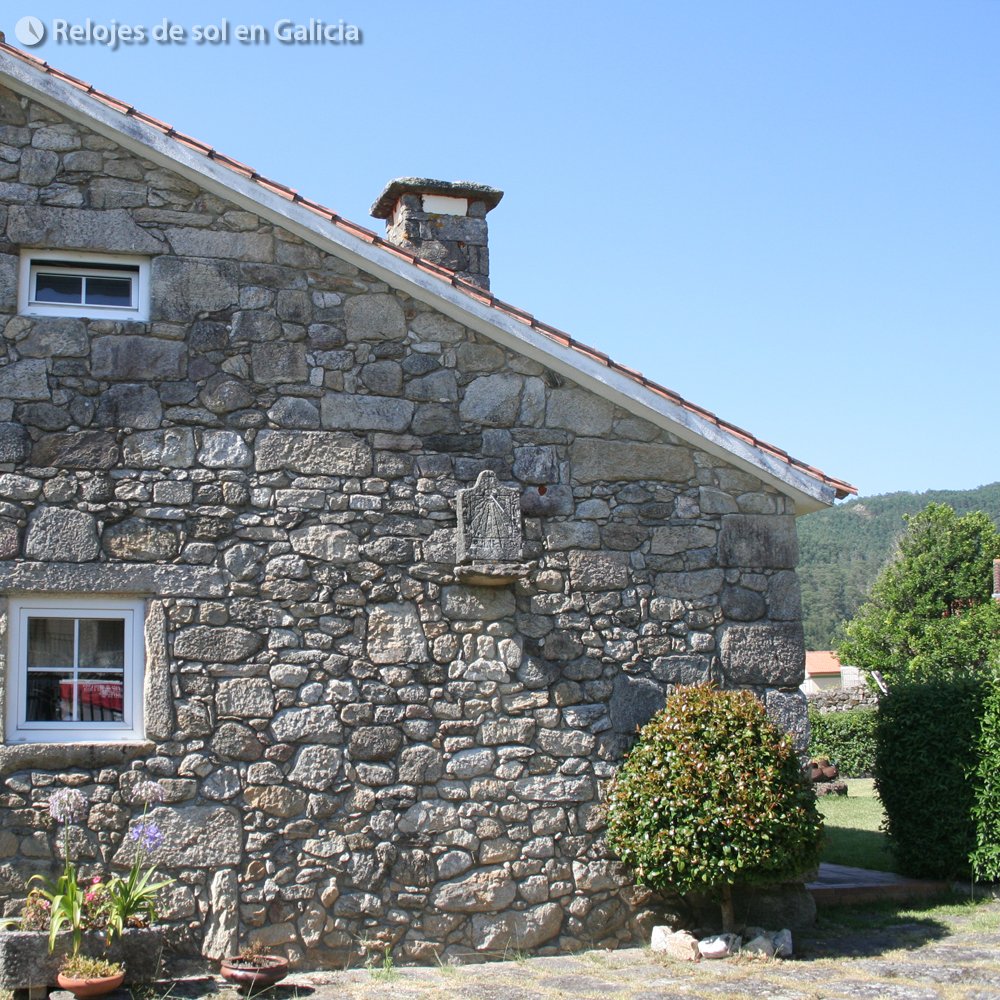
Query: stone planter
{"type": "Point", "coordinates": [25, 961]}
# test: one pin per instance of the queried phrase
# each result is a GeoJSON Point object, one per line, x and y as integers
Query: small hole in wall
{"type": "Point", "coordinates": [542, 490]}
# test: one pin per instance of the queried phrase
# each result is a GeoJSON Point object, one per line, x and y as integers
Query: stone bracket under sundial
{"type": "Point", "coordinates": [489, 540]}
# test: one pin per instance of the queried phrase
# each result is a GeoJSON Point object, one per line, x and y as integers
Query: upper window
{"type": "Point", "coordinates": [76, 670]}
{"type": "Point", "coordinates": [60, 283]}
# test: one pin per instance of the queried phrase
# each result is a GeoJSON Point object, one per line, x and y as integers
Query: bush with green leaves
{"type": "Point", "coordinates": [927, 738]}
{"type": "Point", "coordinates": [712, 795]}
{"type": "Point", "coordinates": [986, 809]}
{"type": "Point", "coordinates": [930, 613]}
{"type": "Point", "coordinates": [846, 738]}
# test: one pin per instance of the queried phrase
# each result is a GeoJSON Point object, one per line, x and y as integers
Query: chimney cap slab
{"type": "Point", "coordinates": [395, 189]}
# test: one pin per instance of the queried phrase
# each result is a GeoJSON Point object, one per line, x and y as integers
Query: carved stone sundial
{"type": "Point", "coordinates": [489, 539]}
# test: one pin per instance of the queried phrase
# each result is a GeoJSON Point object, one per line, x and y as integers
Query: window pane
{"type": "Point", "coordinates": [50, 642]}
{"type": "Point", "coordinates": [102, 643]}
{"type": "Point", "coordinates": [100, 698]}
{"type": "Point", "coordinates": [58, 288]}
{"type": "Point", "coordinates": [50, 698]}
{"type": "Point", "coordinates": [109, 291]}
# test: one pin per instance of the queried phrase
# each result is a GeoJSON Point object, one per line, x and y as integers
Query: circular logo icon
{"type": "Point", "coordinates": [29, 30]}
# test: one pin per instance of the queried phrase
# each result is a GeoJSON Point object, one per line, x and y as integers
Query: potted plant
{"type": "Point", "coordinates": [85, 977]}
{"type": "Point", "coordinates": [68, 917]}
{"type": "Point", "coordinates": [66, 897]}
{"type": "Point", "coordinates": [253, 967]}
{"type": "Point", "coordinates": [132, 900]}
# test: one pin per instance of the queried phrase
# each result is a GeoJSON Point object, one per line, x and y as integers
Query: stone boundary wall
{"type": "Point", "coordinates": [843, 701]}
{"type": "Point", "coordinates": [354, 745]}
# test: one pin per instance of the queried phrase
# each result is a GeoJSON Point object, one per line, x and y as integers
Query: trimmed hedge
{"type": "Point", "coordinates": [927, 750]}
{"type": "Point", "coordinates": [847, 738]}
{"type": "Point", "coordinates": [986, 812]}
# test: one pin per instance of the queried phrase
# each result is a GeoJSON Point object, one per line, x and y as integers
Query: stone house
{"type": "Point", "coordinates": [375, 573]}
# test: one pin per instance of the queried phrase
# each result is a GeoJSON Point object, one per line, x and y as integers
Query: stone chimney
{"type": "Point", "coordinates": [996, 580]}
{"type": "Point", "coordinates": [443, 221]}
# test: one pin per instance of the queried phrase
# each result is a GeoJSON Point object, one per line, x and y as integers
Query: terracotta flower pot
{"type": "Point", "coordinates": [259, 972]}
{"type": "Point", "coordinates": [90, 987]}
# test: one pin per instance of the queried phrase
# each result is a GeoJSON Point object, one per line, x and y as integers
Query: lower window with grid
{"type": "Point", "coordinates": [75, 670]}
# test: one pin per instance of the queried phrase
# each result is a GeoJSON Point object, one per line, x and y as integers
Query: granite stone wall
{"type": "Point", "coordinates": [355, 745]}
{"type": "Point", "coordinates": [843, 700]}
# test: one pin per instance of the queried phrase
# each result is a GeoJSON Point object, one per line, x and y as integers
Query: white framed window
{"type": "Point", "coordinates": [98, 286]}
{"type": "Point", "coordinates": [75, 670]}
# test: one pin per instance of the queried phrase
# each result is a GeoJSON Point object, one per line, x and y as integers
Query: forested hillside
{"type": "Point", "coordinates": [841, 551]}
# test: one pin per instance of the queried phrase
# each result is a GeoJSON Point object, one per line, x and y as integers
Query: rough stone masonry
{"type": "Point", "coordinates": [356, 746]}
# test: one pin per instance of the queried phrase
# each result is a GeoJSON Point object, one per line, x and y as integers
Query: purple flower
{"type": "Point", "coordinates": [68, 805]}
{"type": "Point", "coordinates": [147, 835]}
{"type": "Point", "coordinates": [147, 792]}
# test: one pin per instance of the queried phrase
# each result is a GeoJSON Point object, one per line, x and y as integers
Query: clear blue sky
{"type": "Point", "coordinates": [785, 210]}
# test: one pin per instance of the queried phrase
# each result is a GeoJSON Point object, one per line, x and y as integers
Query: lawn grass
{"type": "Point", "coordinates": [952, 910]}
{"type": "Point", "coordinates": [852, 834]}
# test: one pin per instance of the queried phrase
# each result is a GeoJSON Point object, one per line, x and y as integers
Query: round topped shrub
{"type": "Point", "coordinates": [712, 795]}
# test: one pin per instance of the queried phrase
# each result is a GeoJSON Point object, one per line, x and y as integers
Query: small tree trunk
{"type": "Point", "coordinates": [728, 914]}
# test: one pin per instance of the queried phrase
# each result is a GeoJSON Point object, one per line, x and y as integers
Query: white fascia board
{"type": "Point", "coordinates": [807, 492]}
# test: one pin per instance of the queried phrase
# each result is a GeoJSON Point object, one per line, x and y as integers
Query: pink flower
{"type": "Point", "coordinates": [96, 880]}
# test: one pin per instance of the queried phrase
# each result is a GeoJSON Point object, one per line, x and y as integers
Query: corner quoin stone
{"type": "Point", "coordinates": [772, 654]}
{"type": "Point", "coordinates": [764, 541]}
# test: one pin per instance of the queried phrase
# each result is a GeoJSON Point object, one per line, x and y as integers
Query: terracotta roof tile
{"type": "Point", "coordinates": [841, 488]}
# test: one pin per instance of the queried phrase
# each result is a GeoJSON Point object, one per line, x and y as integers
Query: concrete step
{"type": "Point", "coordinates": [841, 885]}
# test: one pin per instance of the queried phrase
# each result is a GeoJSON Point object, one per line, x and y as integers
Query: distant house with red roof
{"type": "Point", "coordinates": [824, 672]}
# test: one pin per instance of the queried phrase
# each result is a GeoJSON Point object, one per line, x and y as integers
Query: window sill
{"type": "Point", "coordinates": [18, 756]}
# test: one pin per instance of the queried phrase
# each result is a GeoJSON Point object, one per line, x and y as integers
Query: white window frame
{"type": "Point", "coordinates": [19, 729]}
{"type": "Point", "coordinates": [33, 261]}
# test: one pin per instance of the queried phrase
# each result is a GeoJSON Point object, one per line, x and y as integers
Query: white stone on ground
{"type": "Point", "coordinates": [720, 945]}
{"type": "Point", "coordinates": [682, 946]}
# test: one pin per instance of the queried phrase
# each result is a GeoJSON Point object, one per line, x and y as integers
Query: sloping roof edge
{"type": "Point", "coordinates": [810, 488]}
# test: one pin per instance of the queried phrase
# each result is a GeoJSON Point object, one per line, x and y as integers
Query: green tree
{"type": "Point", "coordinates": [930, 612]}
{"type": "Point", "coordinates": [711, 795]}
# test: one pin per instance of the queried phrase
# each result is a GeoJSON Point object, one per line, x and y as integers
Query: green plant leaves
{"type": "Point", "coordinates": [846, 738]}
{"type": "Point", "coordinates": [930, 613]}
{"type": "Point", "coordinates": [712, 792]}
{"type": "Point", "coordinates": [986, 808]}
{"type": "Point", "coordinates": [926, 750]}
